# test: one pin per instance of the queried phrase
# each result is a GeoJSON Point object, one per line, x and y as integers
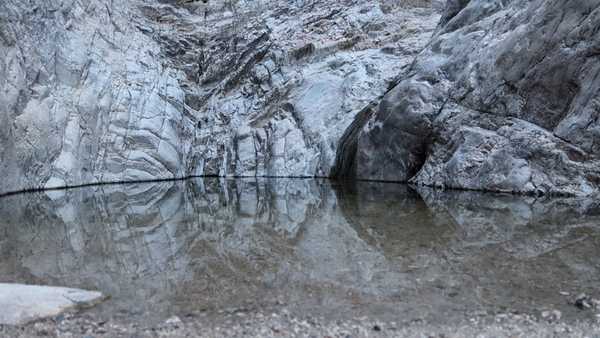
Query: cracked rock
{"type": "Point", "coordinates": [502, 99]}
{"type": "Point", "coordinates": [103, 91]}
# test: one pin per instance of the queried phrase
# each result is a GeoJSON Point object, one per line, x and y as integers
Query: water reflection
{"type": "Point", "coordinates": [308, 245]}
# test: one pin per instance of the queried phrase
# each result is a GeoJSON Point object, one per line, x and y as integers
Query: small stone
{"type": "Point", "coordinates": [377, 328]}
{"type": "Point", "coordinates": [552, 315]}
{"type": "Point", "coordinates": [557, 314]}
{"type": "Point", "coordinates": [583, 302]}
{"type": "Point", "coordinates": [173, 321]}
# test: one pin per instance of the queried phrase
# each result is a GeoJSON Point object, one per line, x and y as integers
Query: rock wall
{"type": "Point", "coordinates": [103, 91]}
{"type": "Point", "coordinates": [504, 98]}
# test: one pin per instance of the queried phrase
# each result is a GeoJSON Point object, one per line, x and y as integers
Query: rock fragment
{"type": "Point", "coordinates": [20, 304]}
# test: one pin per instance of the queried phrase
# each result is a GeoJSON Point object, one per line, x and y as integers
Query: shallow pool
{"type": "Point", "coordinates": [309, 246]}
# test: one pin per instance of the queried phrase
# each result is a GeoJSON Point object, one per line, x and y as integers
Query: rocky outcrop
{"type": "Point", "coordinates": [103, 91]}
{"type": "Point", "coordinates": [504, 98]}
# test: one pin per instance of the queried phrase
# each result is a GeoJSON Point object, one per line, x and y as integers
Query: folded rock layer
{"type": "Point", "coordinates": [503, 97]}
{"type": "Point", "coordinates": [102, 91]}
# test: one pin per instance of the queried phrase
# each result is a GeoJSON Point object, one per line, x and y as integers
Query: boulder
{"type": "Point", "coordinates": [21, 304]}
{"type": "Point", "coordinates": [502, 99]}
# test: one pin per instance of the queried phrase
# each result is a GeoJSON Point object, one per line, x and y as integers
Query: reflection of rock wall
{"type": "Point", "coordinates": [471, 251]}
{"type": "Point", "coordinates": [96, 90]}
{"type": "Point", "coordinates": [528, 226]}
{"type": "Point", "coordinates": [178, 246]}
{"type": "Point", "coordinates": [222, 240]}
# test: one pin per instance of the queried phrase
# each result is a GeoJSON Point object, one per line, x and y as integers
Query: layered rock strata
{"type": "Point", "coordinates": [99, 91]}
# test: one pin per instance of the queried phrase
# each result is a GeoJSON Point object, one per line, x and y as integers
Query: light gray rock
{"type": "Point", "coordinates": [100, 91]}
{"type": "Point", "coordinates": [20, 304]}
{"type": "Point", "coordinates": [506, 154]}
{"type": "Point", "coordinates": [502, 99]}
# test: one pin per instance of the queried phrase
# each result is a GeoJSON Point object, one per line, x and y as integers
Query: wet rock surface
{"type": "Point", "coordinates": [100, 91]}
{"type": "Point", "coordinates": [502, 99]}
{"type": "Point", "coordinates": [216, 253]}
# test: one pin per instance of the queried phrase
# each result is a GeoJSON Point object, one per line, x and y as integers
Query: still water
{"type": "Point", "coordinates": [309, 246]}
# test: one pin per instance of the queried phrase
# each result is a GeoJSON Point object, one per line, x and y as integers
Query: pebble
{"type": "Point", "coordinates": [552, 315]}
{"type": "Point", "coordinates": [584, 302]}
{"type": "Point", "coordinates": [288, 326]}
{"type": "Point", "coordinates": [173, 321]}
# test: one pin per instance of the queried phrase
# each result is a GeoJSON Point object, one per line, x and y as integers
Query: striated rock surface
{"type": "Point", "coordinates": [504, 98]}
{"type": "Point", "coordinates": [101, 91]}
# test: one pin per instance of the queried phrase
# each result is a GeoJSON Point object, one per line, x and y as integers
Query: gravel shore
{"type": "Point", "coordinates": [284, 324]}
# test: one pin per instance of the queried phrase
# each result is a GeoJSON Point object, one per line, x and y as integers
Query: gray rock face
{"type": "Point", "coordinates": [98, 91]}
{"type": "Point", "coordinates": [504, 98]}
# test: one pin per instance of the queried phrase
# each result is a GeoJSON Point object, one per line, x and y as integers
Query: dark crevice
{"type": "Point", "coordinates": [453, 7]}
{"type": "Point", "coordinates": [345, 159]}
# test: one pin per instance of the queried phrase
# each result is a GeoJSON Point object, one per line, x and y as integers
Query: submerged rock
{"type": "Point", "coordinates": [20, 304]}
